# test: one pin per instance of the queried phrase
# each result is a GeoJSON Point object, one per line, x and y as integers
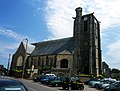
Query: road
{"type": "Point", "coordinates": [37, 86]}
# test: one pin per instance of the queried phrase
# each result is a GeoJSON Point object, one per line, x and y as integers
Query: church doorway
{"type": "Point", "coordinates": [86, 70]}
{"type": "Point", "coordinates": [61, 75]}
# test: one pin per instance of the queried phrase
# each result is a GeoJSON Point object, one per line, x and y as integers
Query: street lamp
{"type": "Point", "coordinates": [24, 62]}
{"type": "Point", "coordinates": [8, 64]}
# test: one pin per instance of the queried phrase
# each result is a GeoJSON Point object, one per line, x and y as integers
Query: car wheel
{"type": "Point", "coordinates": [64, 88]}
{"type": "Point", "coordinates": [96, 85]}
{"type": "Point", "coordinates": [81, 87]}
{"type": "Point", "coordinates": [112, 90]}
{"type": "Point", "coordinates": [56, 85]}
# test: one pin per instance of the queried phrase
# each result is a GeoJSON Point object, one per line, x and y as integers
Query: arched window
{"type": "Point", "coordinates": [64, 63]}
{"type": "Point", "coordinates": [19, 61]}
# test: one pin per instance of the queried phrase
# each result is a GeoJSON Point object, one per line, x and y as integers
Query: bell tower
{"type": "Point", "coordinates": [77, 38]}
{"type": "Point", "coordinates": [77, 24]}
{"type": "Point", "coordinates": [87, 54]}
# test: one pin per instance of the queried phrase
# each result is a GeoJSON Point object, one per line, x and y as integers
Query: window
{"type": "Point", "coordinates": [47, 60]}
{"type": "Point", "coordinates": [39, 62]}
{"type": "Point", "coordinates": [85, 25]}
{"type": "Point", "coordinates": [85, 18]}
{"type": "Point", "coordinates": [64, 63]}
{"type": "Point", "coordinates": [19, 61]}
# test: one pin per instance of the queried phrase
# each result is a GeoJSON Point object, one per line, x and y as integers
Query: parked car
{"type": "Point", "coordinates": [48, 81]}
{"type": "Point", "coordinates": [37, 78]}
{"type": "Point", "coordinates": [104, 84]}
{"type": "Point", "coordinates": [113, 87]}
{"type": "Point", "coordinates": [92, 79]}
{"type": "Point", "coordinates": [44, 79]}
{"type": "Point", "coordinates": [95, 83]}
{"type": "Point", "coordinates": [77, 85]}
{"type": "Point", "coordinates": [11, 85]}
{"type": "Point", "coordinates": [51, 75]}
{"type": "Point", "coordinates": [74, 83]}
{"type": "Point", "coordinates": [66, 83]}
{"type": "Point", "coordinates": [58, 81]}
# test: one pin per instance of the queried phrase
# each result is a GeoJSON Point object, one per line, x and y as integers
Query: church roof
{"type": "Point", "coordinates": [54, 46]}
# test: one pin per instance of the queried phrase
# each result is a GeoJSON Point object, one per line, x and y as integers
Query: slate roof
{"type": "Point", "coordinates": [54, 46]}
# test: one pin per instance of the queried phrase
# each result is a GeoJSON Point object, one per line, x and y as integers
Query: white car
{"type": "Point", "coordinates": [104, 84]}
{"type": "Point", "coordinates": [51, 75]}
{"type": "Point", "coordinates": [96, 83]}
{"type": "Point", "coordinates": [93, 83]}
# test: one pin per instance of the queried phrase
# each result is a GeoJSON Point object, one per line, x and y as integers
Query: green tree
{"type": "Point", "coordinates": [115, 70]}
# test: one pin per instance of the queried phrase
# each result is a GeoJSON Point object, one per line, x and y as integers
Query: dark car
{"type": "Point", "coordinates": [37, 78]}
{"type": "Point", "coordinates": [113, 87]}
{"type": "Point", "coordinates": [45, 79]}
{"type": "Point", "coordinates": [66, 83]}
{"type": "Point", "coordinates": [48, 81]}
{"type": "Point", "coordinates": [11, 85]}
{"type": "Point", "coordinates": [58, 81]}
{"type": "Point", "coordinates": [76, 84]}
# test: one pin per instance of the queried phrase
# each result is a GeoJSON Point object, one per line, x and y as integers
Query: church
{"type": "Point", "coordinates": [80, 54]}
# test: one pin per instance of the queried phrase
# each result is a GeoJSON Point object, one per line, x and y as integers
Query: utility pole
{"type": "Point", "coordinates": [8, 65]}
{"type": "Point", "coordinates": [24, 62]}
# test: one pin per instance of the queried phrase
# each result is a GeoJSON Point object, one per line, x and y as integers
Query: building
{"type": "Point", "coordinates": [68, 56]}
{"type": "Point", "coordinates": [87, 41]}
{"type": "Point", "coordinates": [105, 69]}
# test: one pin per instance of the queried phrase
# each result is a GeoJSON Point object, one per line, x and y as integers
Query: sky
{"type": "Point", "coordinates": [41, 20]}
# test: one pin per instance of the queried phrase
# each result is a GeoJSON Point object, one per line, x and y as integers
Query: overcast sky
{"type": "Point", "coordinates": [40, 20]}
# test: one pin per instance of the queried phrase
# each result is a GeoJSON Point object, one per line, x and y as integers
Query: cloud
{"type": "Point", "coordinates": [106, 11]}
{"type": "Point", "coordinates": [59, 13]}
{"type": "Point", "coordinates": [11, 34]}
{"type": "Point", "coordinates": [59, 17]}
{"type": "Point", "coordinates": [59, 22]}
{"type": "Point", "coordinates": [6, 48]}
{"type": "Point", "coordinates": [10, 47]}
{"type": "Point", "coordinates": [111, 47]}
{"type": "Point", "coordinates": [114, 50]}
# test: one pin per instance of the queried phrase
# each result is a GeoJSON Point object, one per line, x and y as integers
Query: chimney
{"type": "Point", "coordinates": [78, 12]}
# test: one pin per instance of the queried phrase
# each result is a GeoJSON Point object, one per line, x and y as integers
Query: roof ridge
{"type": "Point", "coordinates": [51, 40]}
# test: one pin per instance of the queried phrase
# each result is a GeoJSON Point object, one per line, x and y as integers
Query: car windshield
{"type": "Point", "coordinates": [12, 88]}
{"type": "Point", "coordinates": [11, 85]}
{"type": "Point", "coordinates": [116, 83]}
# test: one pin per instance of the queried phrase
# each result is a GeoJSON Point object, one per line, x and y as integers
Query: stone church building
{"type": "Point", "coordinates": [68, 56]}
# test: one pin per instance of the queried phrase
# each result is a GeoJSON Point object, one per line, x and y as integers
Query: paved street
{"type": "Point", "coordinates": [37, 86]}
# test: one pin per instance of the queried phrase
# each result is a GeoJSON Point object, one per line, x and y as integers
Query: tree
{"type": "Point", "coordinates": [115, 70]}
{"type": "Point", "coordinates": [115, 73]}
